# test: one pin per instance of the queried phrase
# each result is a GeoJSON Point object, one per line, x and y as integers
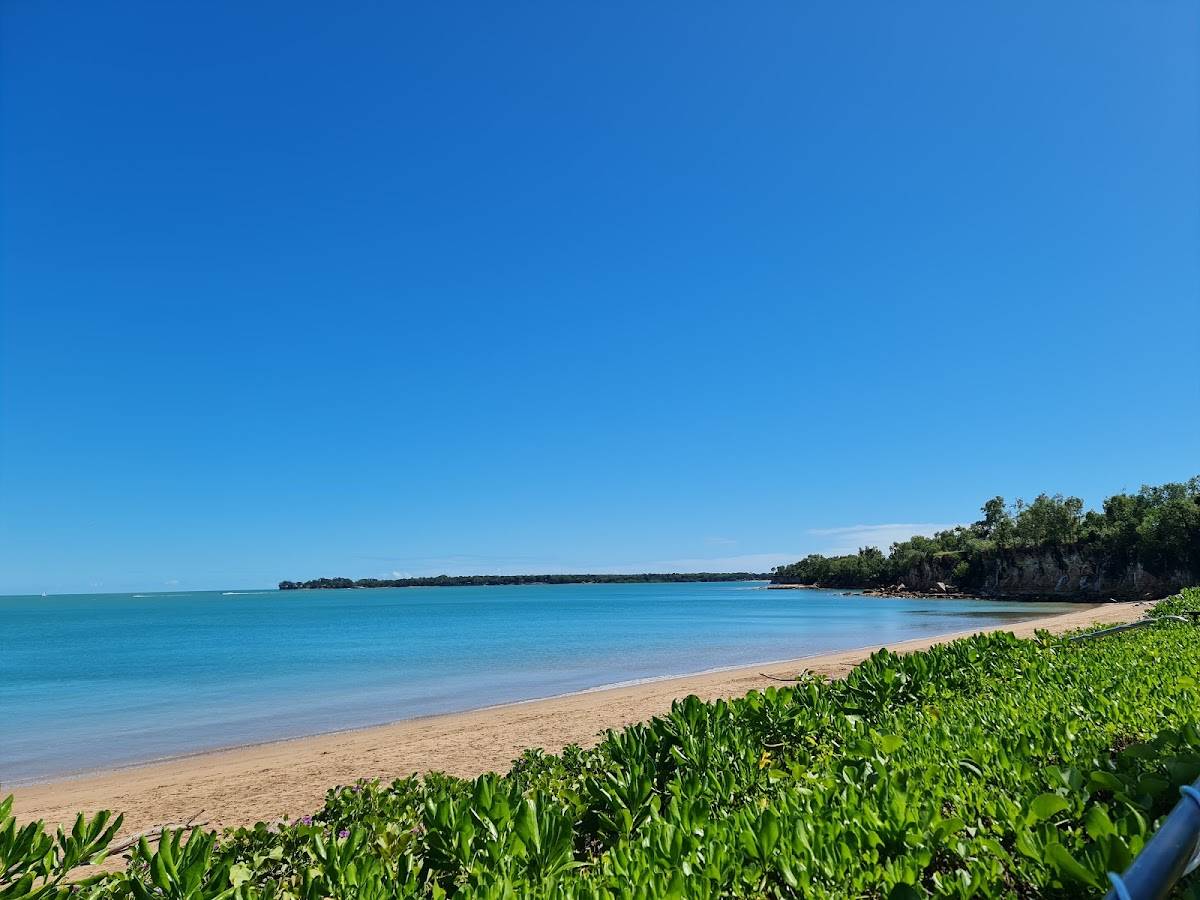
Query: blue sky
{"type": "Point", "coordinates": [291, 290]}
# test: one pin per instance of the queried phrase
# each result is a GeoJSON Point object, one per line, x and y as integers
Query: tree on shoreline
{"type": "Point", "coordinates": [1157, 528]}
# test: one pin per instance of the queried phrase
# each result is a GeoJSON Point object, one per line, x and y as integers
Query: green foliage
{"type": "Point", "coordinates": [1157, 528]}
{"type": "Point", "coordinates": [987, 767]}
{"type": "Point", "coordinates": [34, 864]}
{"type": "Point", "coordinates": [477, 580]}
{"type": "Point", "coordinates": [868, 566]}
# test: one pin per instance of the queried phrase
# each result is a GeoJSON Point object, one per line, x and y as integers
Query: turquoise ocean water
{"type": "Point", "coordinates": [98, 681]}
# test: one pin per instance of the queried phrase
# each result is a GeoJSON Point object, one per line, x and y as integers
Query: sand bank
{"type": "Point", "coordinates": [289, 778]}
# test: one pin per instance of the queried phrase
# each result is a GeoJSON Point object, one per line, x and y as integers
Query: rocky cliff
{"type": "Point", "coordinates": [1068, 575]}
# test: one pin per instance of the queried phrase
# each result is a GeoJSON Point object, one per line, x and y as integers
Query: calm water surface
{"type": "Point", "coordinates": [96, 681]}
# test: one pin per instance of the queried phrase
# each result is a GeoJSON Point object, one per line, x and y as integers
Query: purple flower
{"type": "Point", "coordinates": [307, 820]}
{"type": "Point", "coordinates": [344, 833]}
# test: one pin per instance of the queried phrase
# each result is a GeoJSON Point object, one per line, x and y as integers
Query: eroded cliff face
{"type": "Point", "coordinates": [1071, 576]}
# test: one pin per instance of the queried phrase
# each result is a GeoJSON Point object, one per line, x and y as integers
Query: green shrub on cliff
{"type": "Point", "coordinates": [1158, 528]}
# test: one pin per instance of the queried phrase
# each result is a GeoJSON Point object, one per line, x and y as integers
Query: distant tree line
{"type": "Point", "coordinates": [481, 580]}
{"type": "Point", "coordinates": [1157, 528]}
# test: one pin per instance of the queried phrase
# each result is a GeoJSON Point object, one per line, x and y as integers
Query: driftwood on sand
{"type": "Point", "coordinates": [156, 832]}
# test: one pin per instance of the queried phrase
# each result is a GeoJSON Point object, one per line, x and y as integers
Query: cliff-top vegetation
{"type": "Point", "coordinates": [1156, 530]}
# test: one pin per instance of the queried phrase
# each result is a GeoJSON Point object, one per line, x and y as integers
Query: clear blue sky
{"type": "Point", "coordinates": [295, 289]}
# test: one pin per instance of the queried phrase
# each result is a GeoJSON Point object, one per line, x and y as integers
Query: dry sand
{"type": "Point", "coordinates": [289, 778]}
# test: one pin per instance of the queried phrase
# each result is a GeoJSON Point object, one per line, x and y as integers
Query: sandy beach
{"type": "Point", "coordinates": [289, 778]}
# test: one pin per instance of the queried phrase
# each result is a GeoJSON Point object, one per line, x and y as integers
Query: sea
{"type": "Point", "coordinates": [94, 682]}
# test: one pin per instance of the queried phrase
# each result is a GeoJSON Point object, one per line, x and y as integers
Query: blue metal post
{"type": "Point", "coordinates": [1171, 853]}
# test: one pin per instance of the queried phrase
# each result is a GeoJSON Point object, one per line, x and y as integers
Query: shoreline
{"type": "Point", "coordinates": [231, 786]}
{"type": "Point", "coordinates": [952, 594]}
{"type": "Point", "coordinates": [68, 777]}
{"type": "Point", "coordinates": [15, 785]}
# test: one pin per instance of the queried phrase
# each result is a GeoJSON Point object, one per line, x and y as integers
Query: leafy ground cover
{"type": "Point", "coordinates": [987, 767]}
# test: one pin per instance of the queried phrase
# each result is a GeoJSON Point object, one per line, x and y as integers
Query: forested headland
{"type": "Point", "coordinates": [1135, 545]}
{"type": "Point", "coordinates": [488, 580]}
